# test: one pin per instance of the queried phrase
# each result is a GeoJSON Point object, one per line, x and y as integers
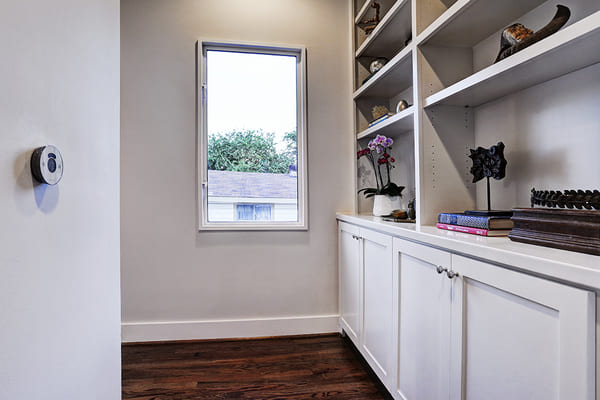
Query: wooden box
{"type": "Point", "coordinates": [575, 230]}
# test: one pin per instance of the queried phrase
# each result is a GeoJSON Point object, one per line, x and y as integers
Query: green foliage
{"type": "Point", "coordinates": [391, 189]}
{"type": "Point", "coordinates": [250, 151]}
{"type": "Point", "coordinates": [291, 140]}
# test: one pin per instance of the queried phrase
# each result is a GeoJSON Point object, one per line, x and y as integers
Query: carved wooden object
{"type": "Point", "coordinates": [516, 37]}
{"type": "Point", "coordinates": [369, 24]}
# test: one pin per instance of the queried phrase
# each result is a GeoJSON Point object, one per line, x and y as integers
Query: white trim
{"type": "Point", "coordinates": [227, 329]}
{"type": "Point", "coordinates": [292, 50]}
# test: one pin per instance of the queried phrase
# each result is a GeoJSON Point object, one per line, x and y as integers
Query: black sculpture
{"type": "Point", "coordinates": [488, 163]}
{"type": "Point", "coordinates": [516, 37]}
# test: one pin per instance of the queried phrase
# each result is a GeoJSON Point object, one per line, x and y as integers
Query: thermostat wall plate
{"type": "Point", "coordinates": [47, 165]}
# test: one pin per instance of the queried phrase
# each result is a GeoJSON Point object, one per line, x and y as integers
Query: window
{"type": "Point", "coordinates": [251, 137]}
{"type": "Point", "coordinates": [254, 212]}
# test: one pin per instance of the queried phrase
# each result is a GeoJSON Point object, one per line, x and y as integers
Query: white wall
{"type": "Point", "coordinates": [178, 283]}
{"type": "Point", "coordinates": [59, 251]}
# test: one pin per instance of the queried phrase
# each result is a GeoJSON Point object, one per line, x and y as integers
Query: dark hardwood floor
{"type": "Point", "coordinates": [305, 367]}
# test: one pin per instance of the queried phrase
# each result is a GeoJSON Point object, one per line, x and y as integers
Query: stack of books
{"type": "Point", "coordinates": [475, 225]}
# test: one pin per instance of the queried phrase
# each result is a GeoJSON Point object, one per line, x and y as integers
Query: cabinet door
{"type": "Point", "coordinates": [350, 280]}
{"type": "Point", "coordinates": [515, 336]}
{"type": "Point", "coordinates": [378, 329]}
{"type": "Point", "coordinates": [423, 341]}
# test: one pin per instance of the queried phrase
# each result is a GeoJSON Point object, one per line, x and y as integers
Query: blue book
{"type": "Point", "coordinates": [489, 223]}
{"type": "Point", "coordinates": [380, 119]}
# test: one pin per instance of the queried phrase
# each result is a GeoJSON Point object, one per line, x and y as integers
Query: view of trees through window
{"type": "Point", "coordinates": [251, 102]}
{"type": "Point", "coordinates": [251, 151]}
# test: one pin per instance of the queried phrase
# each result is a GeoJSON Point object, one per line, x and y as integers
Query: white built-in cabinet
{"type": "Point", "coordinates": [472, 330]}
{"type": "Point", "coordinates": [471, 317]}
{"type": "Point", "coordinates": [367, 289]}
{"type": "Point", "coordinates": [378, 306]}
{"type": "Point", "coordinates": [350, 280]}
{"type": "Point", "coordinates": [433, 324]}
{"type": "Point", "coordinates": [423, 334]}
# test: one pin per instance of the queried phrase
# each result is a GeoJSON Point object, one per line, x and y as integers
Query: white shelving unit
{"type": "Point", "coordinates": [391, 39]}
{"type": "Point", "coordinates": [448, 75]}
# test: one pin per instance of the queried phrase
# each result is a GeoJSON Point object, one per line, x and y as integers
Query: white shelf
{"type": "Point", "coordinates": [568, 50]}
{"type": "Point", "coordinates": [395, 76]}
{"type": "Point", "coordinates": [397, 123]}
{"type": "Point", "coordinates": [467, 22]}
{"type": "Point", "coordinates": [390, 34]}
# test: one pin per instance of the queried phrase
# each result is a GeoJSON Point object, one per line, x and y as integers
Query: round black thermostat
{"type": "Point", "coordinates": [47, 165]}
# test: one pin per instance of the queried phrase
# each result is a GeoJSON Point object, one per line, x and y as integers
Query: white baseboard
{"type": "Point", "coordinates": [227, 329]}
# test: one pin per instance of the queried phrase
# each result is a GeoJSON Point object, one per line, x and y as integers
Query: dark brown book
{"type": "Point", "coordinates": [575, 230]}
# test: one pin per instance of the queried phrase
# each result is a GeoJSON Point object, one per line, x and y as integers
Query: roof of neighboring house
{"type": "Point", "coordinates": [251, 184]}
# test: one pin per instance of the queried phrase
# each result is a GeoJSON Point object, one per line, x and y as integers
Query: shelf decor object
{"type": "Point", "coordinates": [580, 199]}
{"type": "Point", "coordinates": [402, 105]}
{"type": "Point", "coordinates": [377, 64]}
{"type": "Point", "coordinates": [412, 212]}
{"type": "Point", "coordinates": [387, 195]}
{"type": "Point", "coordinates": [516, 37]}
{"type": "Point", "coordinates": [368, 25]}
{"type": "Point", "coordinates": [488, 163]}
{"type": "Point", "coordinates": [379, 111]}
{"type": "Point", "coordinates": [575, 230]}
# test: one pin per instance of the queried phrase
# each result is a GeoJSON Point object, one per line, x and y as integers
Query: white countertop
{"type": "Point", "coordinates": [576, 268]}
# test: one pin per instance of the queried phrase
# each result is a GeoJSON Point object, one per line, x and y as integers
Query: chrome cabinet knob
{"type": "Point", "coordinates": [451, 274]}
{"type": "Point", "coordinates": [440, 269]}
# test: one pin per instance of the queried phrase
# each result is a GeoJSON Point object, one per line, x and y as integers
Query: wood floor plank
{"type": "Point", "coordinates": [323, 366]}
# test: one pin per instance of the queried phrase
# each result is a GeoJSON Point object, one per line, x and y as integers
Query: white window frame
{"type": "Point", "coordinates": [202, 135]}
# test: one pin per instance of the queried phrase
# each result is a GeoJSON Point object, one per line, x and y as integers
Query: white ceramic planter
{"type": "Point", "coordinates": [384, 205]}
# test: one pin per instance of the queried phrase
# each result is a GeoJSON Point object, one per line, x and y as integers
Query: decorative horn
{"type": "Point", "coordinates": [510, 45]}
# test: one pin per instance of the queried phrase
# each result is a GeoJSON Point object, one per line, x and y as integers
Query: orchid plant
{"type": "Point", "coordinates": [378, 153]}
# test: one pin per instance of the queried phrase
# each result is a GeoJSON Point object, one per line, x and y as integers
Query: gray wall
{"type": "Point", "coordinates": [59, 254]}
{"type": "Point", "coordinates": [551, 137]}
{"type": "Point", "coordinates": [198, 285]}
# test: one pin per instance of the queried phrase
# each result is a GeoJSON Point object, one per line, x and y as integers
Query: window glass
{"type": "Point", "coordinates": [251, 115]}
